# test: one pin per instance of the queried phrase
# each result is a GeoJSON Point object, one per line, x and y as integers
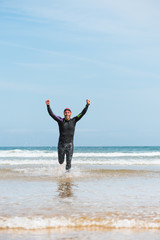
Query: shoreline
{"type": "Point", "coordinates": [80, 233]}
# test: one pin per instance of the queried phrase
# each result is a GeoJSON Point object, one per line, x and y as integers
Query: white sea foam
{"type": "Point", "coordinates": [27, 154]}
{"type": "Point", "coordinates": [51, 154]}
{"type": "Point", "coordinates": [48, 158]}
{"type": "Point", "coordinates": [55, 171]}
{"type": "Point", "coordinates": [26, 162]}
{"type": "Point", "coordinates": [118, 154]}
{"type": "Point", "coordinates": [61, 222]}
{"type": "Point", "coordinates": [121, 162]}
{"type": "Point", "coordinates": [128, 162]}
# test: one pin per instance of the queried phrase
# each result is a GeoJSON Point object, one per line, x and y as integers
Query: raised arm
{"type": "Point", "coordinates": [55, 117]}
{"type": "Point", "coordinates": [79, 116]}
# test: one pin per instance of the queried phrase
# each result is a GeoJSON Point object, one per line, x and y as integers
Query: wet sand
{"type": "Point", "coordinates": [79, 234]}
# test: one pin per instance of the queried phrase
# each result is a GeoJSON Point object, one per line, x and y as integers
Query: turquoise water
{"type": "Point", "coordinates": [92, 149]}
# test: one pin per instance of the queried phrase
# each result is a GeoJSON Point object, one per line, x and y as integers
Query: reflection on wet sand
{"type": "Point", "coordinates": [65, 188]}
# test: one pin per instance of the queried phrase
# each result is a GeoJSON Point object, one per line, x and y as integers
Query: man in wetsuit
{"type": "Point", "coordinates": [66, 130]}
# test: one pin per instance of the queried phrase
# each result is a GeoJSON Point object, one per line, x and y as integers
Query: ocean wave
{"type": "Point", "coordinates": [118, 154]}
{"type": "Point", "coordinates": [26, 162]}
{"type": "Point", "coordinates": [82, 161]}
{"type": "Point", "coordinates": [50, 154]}
{"type": "Point", "coordinates": [26, 153]}
{"type": "Point", "coordinates": [35, 223]}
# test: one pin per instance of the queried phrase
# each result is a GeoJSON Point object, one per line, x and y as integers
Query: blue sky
{"type": "Point", "coordinates": [68, 51]}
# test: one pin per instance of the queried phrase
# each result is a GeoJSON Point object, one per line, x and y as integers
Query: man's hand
{"type": "Point", "coordinates": [47, 102]}
{"type": "Point", "coordinates": [88, 102]}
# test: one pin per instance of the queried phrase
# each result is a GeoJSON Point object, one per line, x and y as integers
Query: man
{"type": "Point", "coordinates": [66, 130]}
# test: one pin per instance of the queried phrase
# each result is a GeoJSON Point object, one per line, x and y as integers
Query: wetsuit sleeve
{"type": "Point", "coordinates": [79, 116]}
{"type": "Point", "coordinates": [55, 117]}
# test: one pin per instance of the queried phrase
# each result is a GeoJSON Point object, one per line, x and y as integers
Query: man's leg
{"type": "Point", "coordinates": [69, 154]}
{"type": "Point", "coordinates": [61, 152]}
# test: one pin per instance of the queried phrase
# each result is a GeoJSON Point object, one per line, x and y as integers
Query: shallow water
{"type": "Point", "coordinates": [108, 191]}
{"type": "Point", "coordinates": [78, 234]}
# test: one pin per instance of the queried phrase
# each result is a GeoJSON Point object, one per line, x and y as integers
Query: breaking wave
{"type": "Point", "coordinates": [36, 223]}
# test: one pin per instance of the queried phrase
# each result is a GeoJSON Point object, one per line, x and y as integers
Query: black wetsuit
{"type": "Point", "coordinates": [66, 130]}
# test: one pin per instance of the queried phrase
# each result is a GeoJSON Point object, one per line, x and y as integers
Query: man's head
{"type": "Point", "coordinates": [67, 114]}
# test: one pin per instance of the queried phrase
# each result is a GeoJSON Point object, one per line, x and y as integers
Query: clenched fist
{"type": "Point", "coordinates": [47, 102]}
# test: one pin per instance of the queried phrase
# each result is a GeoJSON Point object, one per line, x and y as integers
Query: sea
{"type": "Point", "coordinates": [109, 193]}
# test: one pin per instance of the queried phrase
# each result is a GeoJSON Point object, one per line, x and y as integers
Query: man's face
{"type": "Point", "coordinates": [67, 115]}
